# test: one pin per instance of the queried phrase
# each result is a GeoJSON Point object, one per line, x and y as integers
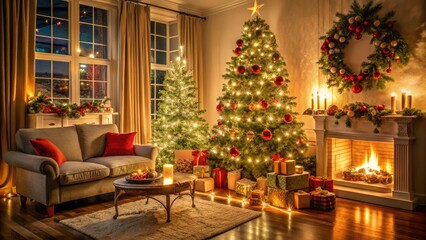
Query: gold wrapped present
{"type": "Point", "coordinates": [299, 169]}
{"type": "Point", "coordinates": [302, 199]}
{"type": "Point", "coordinates": [244, 186]}
{"type": "Point", "coordinates": [202, 171]}
{"type": "Point", "coordinates": [233, 177]}
{"type": "Point", "coordinates": [288, 167]}
{"type": "Point", "coordinates": [262, 183]}
{"type": "Point", "coordinates": [277, 167]}
{"type": "Point", "coordinates": [281, 198]}
{"type": "Point", "coordinates": [204, 184]}
{"type": "Point", "coordinates": [289, 183]}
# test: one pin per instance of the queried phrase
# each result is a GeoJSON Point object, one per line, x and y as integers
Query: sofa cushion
{"type": "Point", "coordinates": [119, 144]}
{"type": "Point", "coordinates": [73, 172]}
{"type": "Point", "coordinates": [92, 139]}
{"type": "Point", "coordinates": [66, 139]}
{"type": "Point", "coordinates": [45, 148]}
{"type": "Point", "coordinates": [120, 165]}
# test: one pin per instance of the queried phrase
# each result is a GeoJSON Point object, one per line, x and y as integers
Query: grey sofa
{"type": "Point", "coordinates": [85, 173]}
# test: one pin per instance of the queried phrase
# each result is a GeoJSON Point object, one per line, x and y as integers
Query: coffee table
{"type": "Point", "coordinates": [181, 182]}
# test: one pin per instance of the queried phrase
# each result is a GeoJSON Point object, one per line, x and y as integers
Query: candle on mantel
{"type": "Point", "coordinates": [325, 102]}
{"type": "Point", "coordinates": [318, 100]}
{"type": "Point", "coordinates": [168, 173]}
{"type": "Point", "coordinates": [403, 94]}
{"type": "Point", "coordinates": [409, 99]}
{"type": "Point", "coordinates": [393, 106]}
{"type": "Point", "coordinates": [312, 102]}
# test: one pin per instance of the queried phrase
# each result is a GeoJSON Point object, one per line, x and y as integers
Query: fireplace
{"type": "Point", "coordinates": [367, 166]}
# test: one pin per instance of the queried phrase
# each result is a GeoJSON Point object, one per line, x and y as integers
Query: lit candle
{"type": "Point", "coordinates": [325, 102]}
{"type": "Point", "coordinates": [393, 103]}
{"type": "Point", "coordinates": [409, 99]}
{"type": "Point", "coordinates": [318, 100]}
{"type": "Point", "coordinates": [403, 94]}
{"type": "Point", "coordinates": [312, 102]}
{"type": "Point", "coordinates": [168, 173]}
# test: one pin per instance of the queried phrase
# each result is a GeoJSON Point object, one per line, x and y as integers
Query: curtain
{"type": "Point", "coordinates": [135, 68]}
{"type": "Point", "coordinates": [190, 37]}
{"type": "Point", "coordinates": [17, 50]}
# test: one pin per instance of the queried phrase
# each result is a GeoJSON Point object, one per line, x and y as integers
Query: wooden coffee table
{"type": "Point", "coordinates": [181, 182]}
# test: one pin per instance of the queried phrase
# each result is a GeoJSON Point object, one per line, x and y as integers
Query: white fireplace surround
{"type": "Point", "coordinates": [394, 128]}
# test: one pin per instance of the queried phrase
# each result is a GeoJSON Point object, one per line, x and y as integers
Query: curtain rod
{"type": "Point", "coordinates": [153, 5]}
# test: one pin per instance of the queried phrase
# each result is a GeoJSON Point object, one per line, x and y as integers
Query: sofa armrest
{"type": "Point", "coordinates": [39, 164]}
{"type": "Point", "coordinates": [146, 150]}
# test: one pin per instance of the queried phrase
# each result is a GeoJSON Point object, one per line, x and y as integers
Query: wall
{"type": "Point", "coordinates": [297, 26]}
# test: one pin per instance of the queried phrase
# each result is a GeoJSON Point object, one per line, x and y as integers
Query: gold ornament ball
{"type": "Point", "coordinates": [336, 50]}
{"type": "Point", "coordinates": [351, 113]}
{"type": "Point", "coordinates": [252, 106]}
{"type": "Point", "coordinates": [331, 51]}
{"type": "Point", "coordinates": [342, 71]}
{"type": "Point", "coordinates": [333, 70]}
{"type": "Point", "coordinates": [351, 20]}
{"type": "Point", "coordinates": [331, 45]}
{"type": "Point", "coordinates": [394, 43]}
{"type": "Point", "coordinates": [383, 45]}
{"type": "Point", "coordinates": [250, 135]}
{"type": "Point", "coordinates": [342, 39]}
{"type": "Point", "coordinates": [232, 132]}
{"type": "Point", "coordinates": [376, 23]}
{"type": "Point", "coordinates": [377, 43]}
{"type": "Point", "coordinates": [336, 36]}
{"type": "Point", "coordinates": [358, 18]}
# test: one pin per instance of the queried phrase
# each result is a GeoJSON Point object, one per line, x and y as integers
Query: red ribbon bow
{"type": "Point", "coordinates": [277, 158]}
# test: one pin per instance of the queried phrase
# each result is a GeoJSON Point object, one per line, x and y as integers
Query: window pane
{"type": "Point", "coordinates": [158, 89]}
{"type": "Point", "coordinates": [160, 29]}
{"type": "Point", "coordinates": [83, 72]}
{"type": "Point", "coordinates": [86, 33]}
{"type": "Point", "coordinates": [43, 7]}
{"type": "Point", "coordinates": [100, 72]}
{"type": "Point", "coordinates": [61, 101]}
{"type": "Point", "coordinates": [101, 35]}
{"type": "Point", "coordinates": [152, 41]}
{"type": "Point", "coordinates": [100, 90]}
{"type": "Point", "coordinates": [152, 56]}
{"type": "Point", "coordinates": [101, 17]}
{"type": "Point", "coordinates": [85, 49]}
{"type": "Point", "coordinates": [86, 14]}
{"type": "Point", "coordinates": [60, 88]}
{"type": "Point", "coordinates": [86, 89]}
{"type": "Point", "coordinates": [161, 58]}
{"type": "Point", "coordinates": [61, 70]}
{"type": "Point", "coordinates": [60, 9]}
{"type": "Point", "coordinates": [101, 51]}
{"type": "Point", "coordinates": [60, 28]}
{"type": "Point", "coordinates": [152, 27]}
{"type": "Point", "coordinates": [60, 46]}
{"type": "Point", "coordinates": [43, 45]}
{"type": "Point", "coordinates": [174, 42]}
{"type": "Point", "coordinates": [43, 86]}
{"type": "Point", "coordinates": [173, 29]}
{"type": "Point", "coordinates": [152, 91]}
{"type": "Point", "coordinates": [160, 76]}
{"type": "Point", "coordinates": [161, 43]}
{"type": "Point", "coordinates": [173, 56]}
{"type": "Point", "coordinates": [43, 26]}
{"type": "Point", "coordinates": [43, 69]}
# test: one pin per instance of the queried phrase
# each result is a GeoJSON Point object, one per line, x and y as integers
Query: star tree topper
{"type": "Point", "coordinates": [255, 8]}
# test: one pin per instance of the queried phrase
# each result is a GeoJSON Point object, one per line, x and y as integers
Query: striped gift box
{"type": "Point", "coordinates": [322, 201]}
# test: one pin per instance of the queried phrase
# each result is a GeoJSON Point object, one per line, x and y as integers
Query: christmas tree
{"type": "Point", "coordinates": [178, 125]}
{"type": "Point", "coordinates": [256, 118]}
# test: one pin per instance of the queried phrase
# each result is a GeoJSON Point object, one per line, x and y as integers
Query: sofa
{"type": "Point", "coordinates": [86, 172]}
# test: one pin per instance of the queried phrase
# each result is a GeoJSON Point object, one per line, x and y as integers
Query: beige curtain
{"type": "Point", "coordinates": [190, 37]}
{"type": "Point", "coordinates": [17, 48]}
{"type": "Point", "coordinates": [135, 68]}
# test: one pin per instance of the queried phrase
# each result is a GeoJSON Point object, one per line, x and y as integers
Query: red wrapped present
{"type": "Point", "coordinates": [220, 177]}
{"type": "Point", "coordinates": [323, 182]}
{"type": "Point", "coordinates": [323, 199]}
{"type": "Point", "coordinates": [200, 157]}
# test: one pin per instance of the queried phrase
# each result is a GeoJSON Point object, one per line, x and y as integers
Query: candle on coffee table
{"type": "Point", "coordinates": [168, 173]}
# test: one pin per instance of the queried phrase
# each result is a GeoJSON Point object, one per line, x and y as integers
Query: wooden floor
{"type": "Point", "coordinates": [350, 220]}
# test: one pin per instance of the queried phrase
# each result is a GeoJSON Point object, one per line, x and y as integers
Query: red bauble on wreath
{"type": "Point", "coordinates": [240, 42]}
{"type": "Point", "coordinates": [279, 81]}
{"type": "Point", "coordinates": [288, 118]}
{"type": "Point", "coordinates": [360, 21]}
{"type": "Point", "coordinates": [266, 135]}
{"type": "Point", "coordinates": [241, 69]}
{"type": "Point", "coordinates": [234, 152]}
{"type": "Point", "coordinates": [264, 104]}
{"type": "Point", "coordinates": [255, 69]}
{"type": "Point", "coordinates": [237, 51]}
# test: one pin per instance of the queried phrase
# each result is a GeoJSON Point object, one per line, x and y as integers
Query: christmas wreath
{"type": "Point", "coordinates": [389, 48]}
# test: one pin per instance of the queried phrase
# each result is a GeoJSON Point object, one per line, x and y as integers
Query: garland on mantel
{"type": "Point", "coordinates": [389, 48]}
{"type": "Point", "coordinates": [372, 113]}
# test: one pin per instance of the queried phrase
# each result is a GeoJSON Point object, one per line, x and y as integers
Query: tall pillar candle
{"type": "Point", "coordinates": [403, 94]}
{"type": "Point", "coordinates": [312, 102]}
{"type": "Point", "coordinates": [325, 102]}
{"type": "Point", "coordinates": [393, 105]}
{"type": "Point", "coordinates": [318, 100]}
{"type": "Point", "coordinates": [168, 173]}
{"type": "Point", "coordinates": [409, 99]}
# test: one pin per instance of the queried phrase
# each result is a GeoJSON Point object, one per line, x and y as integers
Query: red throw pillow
{"type": "Point", "coordinates": [119, 144]}
{"type": "Point", "coordinates": [45, 148]}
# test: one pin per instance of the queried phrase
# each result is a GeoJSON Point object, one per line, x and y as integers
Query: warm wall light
{"type": "Point", "coordinates": [168, 173]}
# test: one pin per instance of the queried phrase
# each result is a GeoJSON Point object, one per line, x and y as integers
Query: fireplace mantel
{"type": "Point", "coordinates": [395, 128]}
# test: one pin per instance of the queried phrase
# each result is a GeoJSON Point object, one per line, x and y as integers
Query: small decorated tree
{"type": "Point", "coordinates": [178, 124]}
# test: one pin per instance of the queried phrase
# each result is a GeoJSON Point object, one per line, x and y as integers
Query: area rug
{"type": "Point", "coordinates": [138, 220]}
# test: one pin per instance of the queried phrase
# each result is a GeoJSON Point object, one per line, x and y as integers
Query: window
{"type": "Point", "coordinates": [73, 50]}
{"type": "Point", "coordinates": [164, 48]}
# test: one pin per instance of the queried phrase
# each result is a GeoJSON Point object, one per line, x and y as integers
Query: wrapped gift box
{"type": "Point", "coordinates": [244, 186]}
{"type": "Point", "coordinates": [220, 177]}
{"type": "Point", "coordinates": [289, 183]}
{"type": "Point", "coordinates": [299, 169]}
{"type": "Point", "coordinates": [202, 171]}
{"type": "Point", "coordinates": [288, 167]}
{"type": "Point", "coordinates": [277, 167]}
{"type": "Point", "coordinates": [233, 177]}
{"type": "Point", "coordinates": [184, 165]}
{"type": "Point", "coordinates": [302, 199]}
{"type": "Point", "coordinates": [323, 199]}
{"type": "Point", "coordinates": [323, 182]}
{"type": "Point", "coordinates": [200, 157]}
{"type": "Point", "coordinates": [262, 184]}
{"type": "Point", "coordinates": [281, 198]}
{"type": "Point", "coordinates": [204, 184]}
{"type": "Point", "coordinates": [256, 197]}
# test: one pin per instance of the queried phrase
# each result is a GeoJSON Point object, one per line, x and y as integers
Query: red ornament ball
{"type": "Point", "coordinates": [332, 109]}
{"type": "Point", "coordinates": [376, 75]}
{"type": "Point", "coordinates": [255, 69]}
{"type": "Point", "coordinates": [299, 141]}
{"type": "Point", "coordinates": [385, 51]}
{"type": "Point", "coordinates": [359, 29]}
{"type": "Point", "coordinates": [266, 135]}
{"type": "Point", "coordinates": [233, 105]}
{"type": "Point", "coordinates": [398, 60]}
{"type": "Point", "coordinates": [219, 107]}
{"type": "Point", "coordinates": [240, 42]}
{"type": "Point", "coordinates": [356, 88]}
{"type": "Point", "coordinates": [358, 36]}
{"type": "Point", "coordinates": [376, 34]}
{"type": "Point", "coordinates": [264, 104]}
{"type": "Point", "coordinates": [346, 77]}
{"type": "Point", "coordinates": [288, 118]}
{"type": "Point", "coordinates": [353, 77]}
{"type": "Point", "coordinates": [234, 152]}
{"type": "Point", "coordinates": [237, 51]}
{"type": "Point", "coordinates": [352, 27]}
{"type": "Point", "coordinates": [388, 70]}
{"type": "Point", "coordinates": [389, 24]}
{"type": "Point", "coordinates": [328, 40]}
{"type": "Point", "coordinates": [219, 123]}
{"type": "Point", "coordinates": [241, 69]}
{"type": "Point", "coordinates": [363, 108]}
{"type": "Point", "coordinates": [380, 107]}
{"type": "Point", "coordinates": [361, 76]}
{"type": "Point", "coordinates": [392, 55]}
{"type": "Point", "coordinates": [366, 23]}
{"type": "Point", "coordinates": [279, 81]}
